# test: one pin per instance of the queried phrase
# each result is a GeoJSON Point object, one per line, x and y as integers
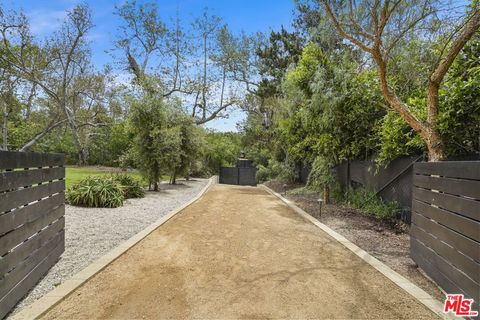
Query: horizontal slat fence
{"type": "Point", "coordinates": [445, 231]}
{"type": "Point", "coordinates": [32, 209]}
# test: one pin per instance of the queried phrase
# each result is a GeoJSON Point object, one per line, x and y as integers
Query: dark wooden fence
{"type": "Point", "coordinates": [445, 230]}
{"type": "Point", "coordinates": [391, 183]}
{"type": "Point", "coordinates": [32, 221]}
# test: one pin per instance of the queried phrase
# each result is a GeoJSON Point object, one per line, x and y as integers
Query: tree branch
{"type": "Point", "coordinates": [341, 31]}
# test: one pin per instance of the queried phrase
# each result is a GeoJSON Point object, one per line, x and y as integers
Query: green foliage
{"type": "Point", "coordinates": [396, 139]}
{"type": "Point", "coordinates": [263, 174]}
{"type": "Point", "coordinates": [370, 203]}
{"type": "Point", "coordinates": [302, 75]}
{"type": "Point", "coordinates": [130, 186]}
{"type": "Point", "coordinates": [60, 142]}
{"type": "Point", "coordinates": [459, 114]}
{"type": "Point", "coordinates": [337, 117]}
{"type": "Point", "coordinates": [276, 170]}
{"type": "Point", "coordinates": [321, 174]}
{"type": "Point", "coordinates": [282, 50]}
{"type": "Point", "coordinates": [165, 140]}
{"type": "Point", "coordinates": [98, 192]}
{"type": "Point", "coordinates": [191, 147]}
{"type": "Point", "coordinates": [283, 171]}
{"type": "Point", "coordinates": [221, 149]}
{"type": "Point", "coordinates": [153, 143]}
{"type": "Point", "coordinates": [459, 119]}
{"type": "Point", "coordinates": [109, 143]}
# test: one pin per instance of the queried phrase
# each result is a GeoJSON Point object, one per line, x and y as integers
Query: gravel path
{"type": "Point", "coordinates": [92, 232]}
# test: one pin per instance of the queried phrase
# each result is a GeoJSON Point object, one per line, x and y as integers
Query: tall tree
{"type": "Point", "coordinates": [380, 27]}
{"type": "Point", "coordinates": [59, 67]}
{"type": "Point", "coordinates": [175, 61]}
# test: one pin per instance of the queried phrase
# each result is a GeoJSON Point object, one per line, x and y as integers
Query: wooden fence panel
{"type": "Point", "coordinates": [14, 160]}
{"type": "Point", "coordinates": [445, 231]}
{"type": "Point", "coordinates": [32, 223]}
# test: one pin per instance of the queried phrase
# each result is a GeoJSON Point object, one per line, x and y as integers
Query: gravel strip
{"type": "Point", "coordinates": [92, 232]}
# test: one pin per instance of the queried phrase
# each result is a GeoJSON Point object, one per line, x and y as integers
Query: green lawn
{"type": "Point", "coordinates": [75, 174]}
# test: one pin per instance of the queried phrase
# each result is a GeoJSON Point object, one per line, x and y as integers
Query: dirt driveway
{"type": "Point", "coordinates": [239, 252]}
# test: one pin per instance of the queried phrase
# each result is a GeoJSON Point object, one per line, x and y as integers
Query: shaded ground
{"type": "Point", "coordinates": [386, 241]}
{"type": "Point", "coordinates": [240, 253]}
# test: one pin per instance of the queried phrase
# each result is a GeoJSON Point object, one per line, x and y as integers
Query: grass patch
{"type": "Point", "coordinates": [74, 175]}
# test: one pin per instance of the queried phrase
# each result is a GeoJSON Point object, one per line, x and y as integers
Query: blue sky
{"type": "Point", "coordinates": [248, 15]}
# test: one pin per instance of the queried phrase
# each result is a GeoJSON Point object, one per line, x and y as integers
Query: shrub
{"type": "Point", "coordinates": [263, 173]}
{"type": "Point", "coordinates": [282, 171]}
{"type": "Point", "coordinates": [369, 202]}
{"type": "Point", "coordinates": [321, 174]}
{"type": "Point", "coordinates": [99, 192]}
{"type": "Point", "coordinates": [131, 187]}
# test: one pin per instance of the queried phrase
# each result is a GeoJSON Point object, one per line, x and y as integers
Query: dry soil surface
{"type": "Point", "coordinates": [92, 232]}
{"type": "Point", "coordinates": [239, 253]}
{"type": "Point", "coordinates": [389, 242]}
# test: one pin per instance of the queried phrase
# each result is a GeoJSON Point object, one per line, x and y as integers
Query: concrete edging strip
{"type": "Point", "coordinates": [52, 298]}
{"type": "Point", "coordinates": [418, 293]}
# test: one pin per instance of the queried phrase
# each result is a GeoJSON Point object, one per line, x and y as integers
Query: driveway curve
{"type": "Point", "coordinates": [239, 253]}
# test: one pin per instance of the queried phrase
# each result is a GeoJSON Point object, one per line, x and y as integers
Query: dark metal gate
{"type": "Point", "coordinates": [243, 174]}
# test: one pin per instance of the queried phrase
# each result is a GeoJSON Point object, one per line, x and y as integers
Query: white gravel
{"type": "Point", "coordinates": [92, 232]}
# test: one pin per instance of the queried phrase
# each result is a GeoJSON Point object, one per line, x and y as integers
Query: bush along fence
{"type": "Point", "coordinates": [445, 231]}
{"type": "Point", "coordinates": [32, 238]}
{"type": "Point", "coordinates": [392, 183]}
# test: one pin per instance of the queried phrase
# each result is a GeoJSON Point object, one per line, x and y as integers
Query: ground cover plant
{"type": "Point", "coordinates": [130, 185]}
{"type": "Point", "coordinates": [104, 191]}
{"type": "Point", "coordinates": [100, 191]}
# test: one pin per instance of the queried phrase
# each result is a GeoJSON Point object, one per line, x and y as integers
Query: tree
{"type": "Point", "coordinates": [59, 67]}
{"type": "Point", "coordinates": [380, 27]}
{"type": "Point", "coordinates": [459, 113]}
{"type": "Point", "coordinates": [190, 149]}
{"type": "Point", "coordinates": [160, 56]}
{"type": "Point", "coordinates": [221, 149]}
{"type": "Point", "coordinates": [148, 122]}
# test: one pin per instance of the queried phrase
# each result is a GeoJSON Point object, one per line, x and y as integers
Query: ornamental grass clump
{"type": "Point", "coordinates": [131, 187]}
{"type": "Point", "coordinates": [98, 192]}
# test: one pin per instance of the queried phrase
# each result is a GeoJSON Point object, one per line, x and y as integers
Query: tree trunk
{"type": "Point", "coordinates": [426, 130]}
{"type": "Point", "coordinates": [156, 176]}
{"type": "Point", "coordinates": [204, 87]}
{"type": "Point", "coordinates": [435, 146]}
{"type": "Point", "coordinates": [326, 194]}
{"type": "Point", "coordinates": [173, 178]}
{"type": "Point", "coordinates": [72, 123]}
